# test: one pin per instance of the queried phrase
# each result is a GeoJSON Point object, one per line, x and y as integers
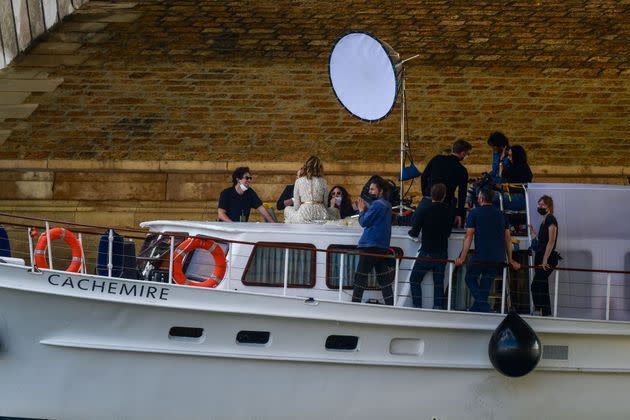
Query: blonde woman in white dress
{"type": "Point", "coordinates": [310, 196]}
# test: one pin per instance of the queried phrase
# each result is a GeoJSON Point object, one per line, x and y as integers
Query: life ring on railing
{"type": "Point", "coordinates": [69, 238]}
{"type": "Point", "coordinates": [191, 244]}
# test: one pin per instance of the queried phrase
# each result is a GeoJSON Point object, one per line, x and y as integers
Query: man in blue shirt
{"type": "Point", "coordinates": [376, 221]}
{"type": "Point", "coordinates": [492, 237]}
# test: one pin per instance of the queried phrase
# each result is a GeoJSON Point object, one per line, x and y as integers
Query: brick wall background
{"type": "Point", "coordinates": [179, 92]}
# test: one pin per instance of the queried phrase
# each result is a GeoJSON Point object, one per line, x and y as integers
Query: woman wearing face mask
{"type": "Point", "coordinates": [339, 199]}
{"type": "Point", "coordinates": [545, 255]}
{"type": "Point", "coordinates": [310, 196]}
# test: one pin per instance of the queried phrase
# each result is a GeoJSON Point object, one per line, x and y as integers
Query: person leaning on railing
{"type": "Point", "coordinates": [235, 202]}
{"type": "Point", "coordinates": [376, 221]}
{"type": "Point", "coordinates": [545, 255]}
{"type": "Point", "coordinates": [487, 225]}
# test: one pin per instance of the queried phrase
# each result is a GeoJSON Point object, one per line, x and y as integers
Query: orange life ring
{"type": "Point", "coordinates": [69, 238]}
{"type": "Point", "coordinates": [191, 244]}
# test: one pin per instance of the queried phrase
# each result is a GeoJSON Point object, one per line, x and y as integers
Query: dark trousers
{"type": "Point", "coordinates": [420, 269]}
{"type": "Point", "coordinates": [540, 287]}
{"type": "Point", "coordinates": [364, 268]}
{"type": "Point", "coordinates": [480, 290]}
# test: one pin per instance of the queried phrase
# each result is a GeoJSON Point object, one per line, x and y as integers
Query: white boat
{"type": "Point", "coordinates": [278, 338]}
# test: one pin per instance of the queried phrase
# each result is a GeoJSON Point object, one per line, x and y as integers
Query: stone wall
{"type": "Point", "coordinates": [23, 21]}
{"type": "Point", "coordinates": [171, 95]}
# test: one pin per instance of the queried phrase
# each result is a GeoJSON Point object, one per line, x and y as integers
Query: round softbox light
{"type": "Point", "coordinates": [364, 75]}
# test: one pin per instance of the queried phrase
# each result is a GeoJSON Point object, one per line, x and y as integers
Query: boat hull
{"type": "Point", "coordinates": [70, 353]}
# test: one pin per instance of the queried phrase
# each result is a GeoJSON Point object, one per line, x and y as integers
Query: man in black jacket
{"type": "Point", "coordinates": [447, 170]}
{"type": "Point", "coordinates": [435, 222]}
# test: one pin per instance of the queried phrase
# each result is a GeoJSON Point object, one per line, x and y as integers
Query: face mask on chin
{"type": "Point", "coordinates": [542, 211]}
{"type": "Point", "coordinates": [243, 187]}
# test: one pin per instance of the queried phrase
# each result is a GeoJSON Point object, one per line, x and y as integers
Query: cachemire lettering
{"type": "Point", "coordinates": [109, 287]}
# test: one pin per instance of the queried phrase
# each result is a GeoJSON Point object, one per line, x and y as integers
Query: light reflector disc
{"type": "Point", "coordinates": [363, 76]}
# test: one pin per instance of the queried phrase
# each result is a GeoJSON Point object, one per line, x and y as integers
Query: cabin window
{"type": "Point", "coordinates": [192, 334]}
{"type": "Point", "coordinates": [333, 261]}
{"type": "Point", "coordinates": [253, 337]}
{"type": "Point", "coordinates": [267, 263]}
{"type": "Point", "coordinates": [342, 342]}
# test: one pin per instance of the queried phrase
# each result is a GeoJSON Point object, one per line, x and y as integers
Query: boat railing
{"type": "Point", "coordinates": [286, 258]}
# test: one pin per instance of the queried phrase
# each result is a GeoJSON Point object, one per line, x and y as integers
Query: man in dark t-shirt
{"type": "Point", "coordinates": [487, 225]}
{"type": "Point", "coordinates": [236, 202]}
{"type": "Point", "coordinates": [435, 222]}
{"type": "Point", "coordinates": [447, 170]}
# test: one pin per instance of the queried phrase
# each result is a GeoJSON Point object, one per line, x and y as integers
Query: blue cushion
{"type": "Point", "coordinates": [117, 255]}
{"type": "Point", "coordinates": [5, 246]}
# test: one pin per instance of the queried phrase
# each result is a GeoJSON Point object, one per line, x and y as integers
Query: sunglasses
{"type": "Point", "coordinates": [248, 178]}
{"type": "Point", "coordinates": [337, 193]}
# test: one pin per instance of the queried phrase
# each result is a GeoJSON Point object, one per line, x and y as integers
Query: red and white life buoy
{"type": "Point", "coordinates": [191, 244]}
{"type": "Point", "coordinates": [69, 238]}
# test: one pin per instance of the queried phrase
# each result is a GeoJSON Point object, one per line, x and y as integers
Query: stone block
{"type": "Point", "coordinates": [83, 26]}
{"type": "Point", "coordinates": [26, 185]}
{"type": "Point", "coordinates": [53, 60]}
{"type": "Point", "coordinates": [120, 17]}
{"type": "Point", "coordinates": [4, 135]}
{"type": "Point", "coordinates": [17, 111]}
{"type": "Point", "coordinates": [56, 48]}
{"type": "Point", "coordinates": [33, 85]}
{"type": "Point", "coordinates": [109, 186]}
{"type": "Point", "coordinates": [12, 98]}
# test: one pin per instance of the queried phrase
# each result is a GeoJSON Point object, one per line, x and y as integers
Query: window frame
{"type": "Point", "coordinates": [398, 252]}
{"type": "Point", "coordinates": [282, 245]}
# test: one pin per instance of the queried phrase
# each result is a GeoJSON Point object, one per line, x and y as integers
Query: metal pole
{"type": "Point", "coordinates": [451, 268]}
{"type": "Point", "coordinates": [341, 269]}
{"type": "Point", "coordinates": [49, 242]}
{"type": "Point", "coordinates": [229, 261]}
{"type": "Point", "coordinates": [402, 142]}
{"type": "Point", "coordinates": [530, 258]}
{"type": "Point", "coordinates": [286, 271]}
{"type": "Point", "coordinates": [555, 294]}
{"type": "Point", "coordinates": [110, 250]}
{"type": "Point", "coordinates": [608, 296]}
{"type": "Point", "coordinates": [30, 248]}
{"type": "Point", "coordinates": [503, 290]}
{"type": "Point", "coordinates": [83, 269]}
{"type": "Point", "coordinates": [396, 274]}
{"type": "Point", "coordinates": [170, 261]}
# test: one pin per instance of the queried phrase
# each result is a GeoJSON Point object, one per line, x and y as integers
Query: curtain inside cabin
{"type": "Point", "coordinates": [267, 267]}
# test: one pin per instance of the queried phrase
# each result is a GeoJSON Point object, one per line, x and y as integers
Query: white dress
{"type": "Point", "coordinates": [310, 205]}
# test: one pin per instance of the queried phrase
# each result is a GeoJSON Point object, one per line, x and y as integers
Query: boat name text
{"type": "Point", "coordinates": [110, 287]}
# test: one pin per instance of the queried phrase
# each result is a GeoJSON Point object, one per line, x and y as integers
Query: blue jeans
{"type": "Point", "coordinates": [420, 268]}
{"type": "Point", "coordinates": [480, 290]}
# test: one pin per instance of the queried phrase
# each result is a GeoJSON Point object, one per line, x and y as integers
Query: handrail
{"type": "Point", "coordinates": [303, 248]}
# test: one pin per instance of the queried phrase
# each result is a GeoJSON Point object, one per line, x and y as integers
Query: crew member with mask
{"type": "Point", "coordinates": [447, 170]}
{"type": "Point", "coordinates": [376, 220]}
{"type": "Point", "coordinates": [235, 202]}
